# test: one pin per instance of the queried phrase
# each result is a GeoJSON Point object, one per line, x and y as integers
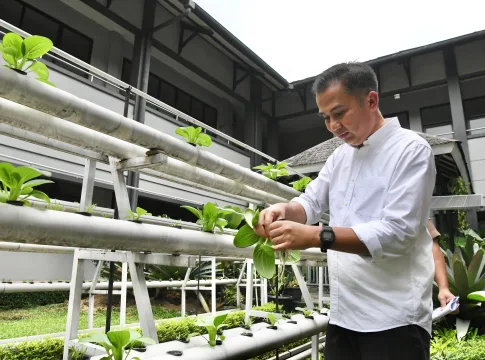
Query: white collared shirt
{"type": "Point", "coordinates": [383, 191]}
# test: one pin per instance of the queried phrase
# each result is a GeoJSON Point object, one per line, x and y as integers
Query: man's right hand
{"type": "Point", "coordinates": [268, 216]}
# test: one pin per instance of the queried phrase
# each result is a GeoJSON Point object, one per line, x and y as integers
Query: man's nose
{"type": "Point", "coordinates": [333, 125]}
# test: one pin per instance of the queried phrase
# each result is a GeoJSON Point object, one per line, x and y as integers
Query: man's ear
{"type": "Point", "coordinates": [373, 101]}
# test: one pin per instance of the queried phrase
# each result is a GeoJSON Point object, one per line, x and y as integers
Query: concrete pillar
{"type": "Point", "coordinates": [415, 122]}
{"type": "Point", "coordinates": [253, 133]}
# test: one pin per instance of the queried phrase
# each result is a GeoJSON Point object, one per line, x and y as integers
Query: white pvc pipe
{"type": "Point", "coordinates": [47, 227]}
{"type": "Point", "coordinates": [59, 103]}
{"type": "Point", "coordinates": [38, 122]}
{"type": "Point", "coordinates": [242, 347]}
{"type": "Point", "coordinates": [63, 286]}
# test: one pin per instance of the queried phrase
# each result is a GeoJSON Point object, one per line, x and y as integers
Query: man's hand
{"type": "Point", "coordinates": [267, 217]}
{"type": "Point", "coordinates": [444, 297]}
{"type": "Point", "coordinates": [286, 235]}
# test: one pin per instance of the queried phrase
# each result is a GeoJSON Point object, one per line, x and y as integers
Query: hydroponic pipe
{"type": "Point", "coordinates": [62, 104]}
{"type": "Point", "coordinates": [65, 286]}
{"type": "Point", "coordinates": [41, 123]}
{"type": "Point", "coordinates": [49, 227]}
{"type": "Point", "coordinates": [243, 347]}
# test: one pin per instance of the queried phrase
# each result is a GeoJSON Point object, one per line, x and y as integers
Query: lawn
{"type": "Point", "coordinates": [49, 319]}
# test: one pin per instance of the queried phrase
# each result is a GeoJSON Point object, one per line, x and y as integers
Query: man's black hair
{"type": "Point", "coordinates": [357, 78]}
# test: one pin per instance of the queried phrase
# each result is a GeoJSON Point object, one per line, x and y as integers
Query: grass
{"type": "Point", "coordinates": [52, 319]}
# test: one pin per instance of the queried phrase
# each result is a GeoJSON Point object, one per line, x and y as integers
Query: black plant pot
{"type": "Point", "coordinates": [83, 213]}
{"type": "Point", "coordinates": [292, 322]}
{"type": "Point", "coordinates": [285, 301]}
{"type": "Point", "coordinates": [185, 341]}
{"type": "Point", "coordinates": [273, 327]}
{"type": "Point", "coordinates": [248, 334]}
{"type": "Point", "coordinates": [218, 342]}
{"type": "Point", "coordinates": [175, 352]}
{"type": "Point", "coordinates": [19, 71]}
{"type": "Point", "coordinates": [294, 292]}
{"type": "Point", "coordinates": [136, 221]}
{"type": "Point", "coordinates": [142, 349]}
{"type": "Point", "coordinates": [309, 317]}
{"type": "Point", "coordinates": [15, 202]}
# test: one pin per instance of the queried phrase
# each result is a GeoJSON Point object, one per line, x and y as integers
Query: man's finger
{"type": "Point", "coordinates": [276, 229]}
{"type": "Point", "coordinates": [443, 303]}
{"type": "Point", "coordinates": [280, 247]}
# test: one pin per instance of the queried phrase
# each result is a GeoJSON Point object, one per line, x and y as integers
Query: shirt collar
{"type": "Point", "coordinates": [383, 133]}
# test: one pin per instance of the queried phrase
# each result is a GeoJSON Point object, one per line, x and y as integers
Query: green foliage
{"type": "Point", "coordinates": [301, 184]}
{"type": "Point", "coordinates": [171, 330]}
{"type": "Point", "coordinates": [138, 214]}
{"type": "Point", "coordinates": [305, 312]}
{"type": "Point", "coordinates": [477, 296]}
{"type": "Point", "coordinates": [234, 319]}
{"type": "Point", "coordinates": [11, 301]}
{"type": "Point", "coordinates": [466, 274]}
{"type": "Point", "coordinates": [445, 346]}
{"type": "Point", "coordinates": [271, 171]}
{"type": "Point", "coordinates": [46, 349]}
{"type": "Point", "coordinates": [54, 205]}
{"type": "Point", "coordinates": [89, 209]}
{"type": "Point", "coordinates": [194, 136]}
{"type": "Point", "coordinates": [263, 253]}
{"type": "Point", "coordinates": [213, 326]}
{"type": "Point", "coordinates": [459, 187]}
{"type": "Point", "coordinates": [229, 295]}
{"type": "Point", "coordinates": [211, 216]}
{"type": "Point", "coordinates": [234, 218]}
{"type": "Point", "coordinates": [117, 343]}
{"type": "Point", "coordinates": [273, 318]}
{"type": "Point", "coordinates": [19, 182]}
{"type": "Point", "coordinates": [21, 54]}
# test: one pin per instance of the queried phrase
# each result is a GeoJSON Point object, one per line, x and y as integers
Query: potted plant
{"type": "Point", "coordinates": [194, 136]}
{"type": "Point", "coordinates": [21, 55]}
{"type": "Point", "coordinates": [135, 216]}
{"type": "Point", "coordinates": [301, 184]}
{"type": "Point", "coordinates": [307, 313]}
{"type": "Point", "coordinates": [18, 184]}
{"type": "Point", "coordinates": [293, 289]}
{"type": "Point", "coordinates": [118, 344]}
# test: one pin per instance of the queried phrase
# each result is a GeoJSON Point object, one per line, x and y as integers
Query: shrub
{"type": "Point", "coordinates": [46, 349]}
{"type": "Point", "coordinates": [24, 300]}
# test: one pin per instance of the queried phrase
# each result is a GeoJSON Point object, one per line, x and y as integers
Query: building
{"type": "Point", "coordinates": [176, 52]}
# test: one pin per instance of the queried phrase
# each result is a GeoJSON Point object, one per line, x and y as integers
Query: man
{"type": "Point", "coordinates": [377, 188]}
{"type": "Point", "coordinates": [441, 275]}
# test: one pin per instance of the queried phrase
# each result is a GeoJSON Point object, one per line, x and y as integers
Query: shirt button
{"type": "Point", "coordinates": [346, 204]}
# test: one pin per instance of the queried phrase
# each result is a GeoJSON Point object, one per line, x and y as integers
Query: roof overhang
{"type": "Point", "coordinates": [456, 202]}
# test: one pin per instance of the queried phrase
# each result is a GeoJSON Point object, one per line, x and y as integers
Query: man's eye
{"type": "Point", "coordinates": [338, 116]}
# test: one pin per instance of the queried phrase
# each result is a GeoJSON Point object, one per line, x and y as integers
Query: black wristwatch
{"type": "Point", "coordinates": [327, 238]}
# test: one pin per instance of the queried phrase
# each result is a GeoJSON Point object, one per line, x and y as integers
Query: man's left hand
{"type": "Point", "coordinates": [286, 235]}
{"type": "Point", "coordinates": [444, 297]}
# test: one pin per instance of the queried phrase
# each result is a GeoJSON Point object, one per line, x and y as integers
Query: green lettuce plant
{"type": "Point", "coordinates": [194, 136]}
{"type": "Point", "coordinates": [18, 183]}
{"type": "Point", "coordinates": [273, 319]}
{"type": "Point", "coordinates": [301, 184]}
{"type": "Point", "coordinates": [118, 344]}
{"type": "Point", "coordinates": [210, 216]}
{"type": "Point", "coordinates": [21, 54]}
{"type": "Point", "coordinates": [139, 212]}
{"type": "Point", "coordinates": [263, 254]}
{"type": "Point", "coordinates": [214, 326]}
{"type": "Point", "coordinates": [271, 171]}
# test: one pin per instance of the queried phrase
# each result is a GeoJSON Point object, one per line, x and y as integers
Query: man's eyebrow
{"type": "Point", "coordinates": [335, 108]}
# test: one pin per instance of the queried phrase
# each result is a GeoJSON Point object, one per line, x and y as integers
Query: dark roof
{"type": "Point", "coordinates": [477, 35]}
{"type": "Point", "coordinates": [321, 152]}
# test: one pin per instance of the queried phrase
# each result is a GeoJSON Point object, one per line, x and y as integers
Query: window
{"type": "Point", "coordinates": [403, 118]}
{"type": "Point", "coordinates": [437, 120]}
{"type": "Point", "coordinates": [475, 115]}
{"type": "Point", "coordinates": [174, 97]}
{"type": "Point", "coordinates": [36, 22]}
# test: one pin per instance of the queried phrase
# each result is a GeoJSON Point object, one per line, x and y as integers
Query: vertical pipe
{"type": "Point", "coordinates": [124, 280]}
{"type": "Point", "coordinates": [198, 289]}
{"type": "Point", "coordinates": [91, 295]}
{"type": "Point", "coordinates": [238, 285]}
{"type": "Point", "coordinates": [320, 286]}
{"type": "Point", "coordinates": [249, 290]}
{"type": "Point", "coordinates": [213, 285]}
{"type": "Point", "coordinates": [184, 292]}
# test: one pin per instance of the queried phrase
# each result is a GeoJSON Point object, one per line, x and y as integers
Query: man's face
{"type": "Point", "coordinates": [349, 117]}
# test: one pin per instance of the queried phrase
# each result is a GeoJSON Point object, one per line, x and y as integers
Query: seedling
{"type": "Point", "coordinates": [211, 216]}
{"type": "Point", "coordinates": [18, 184]}
{"type": "Point", "coordinates": [273, 171]}
{"type": "Point", "coordinates": [263, 254]}
{"type": "Point", "coordinates": [273, 319]}
{"type": "Point", "coordinates": [301, 184]}
{"type": "Point", "coordinates": [213, 326]}
{"type": "Point", "coordinates": [307, 313]}
{"type": "Point", "coordinates": [139, 212]}
{"type": "Point", "coordinates": [118, 344]}
{"type": "Point", "coordinates": [194, 136]}
{"type": "Point", "coordinates": [247, 323]}
{"type": "Point", "coordinates": [21, 54]}
{"type": "Point", "coordinates": [55, 206]}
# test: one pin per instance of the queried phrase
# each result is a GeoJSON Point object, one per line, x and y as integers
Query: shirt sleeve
{"type": "Point", "coordinates": [406, 206]}
{"type": "Point", "coordinates": [315, 199]}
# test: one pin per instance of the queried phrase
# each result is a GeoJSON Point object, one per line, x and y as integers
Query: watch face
{"type": "Point", "coordinates": [327, 236]}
